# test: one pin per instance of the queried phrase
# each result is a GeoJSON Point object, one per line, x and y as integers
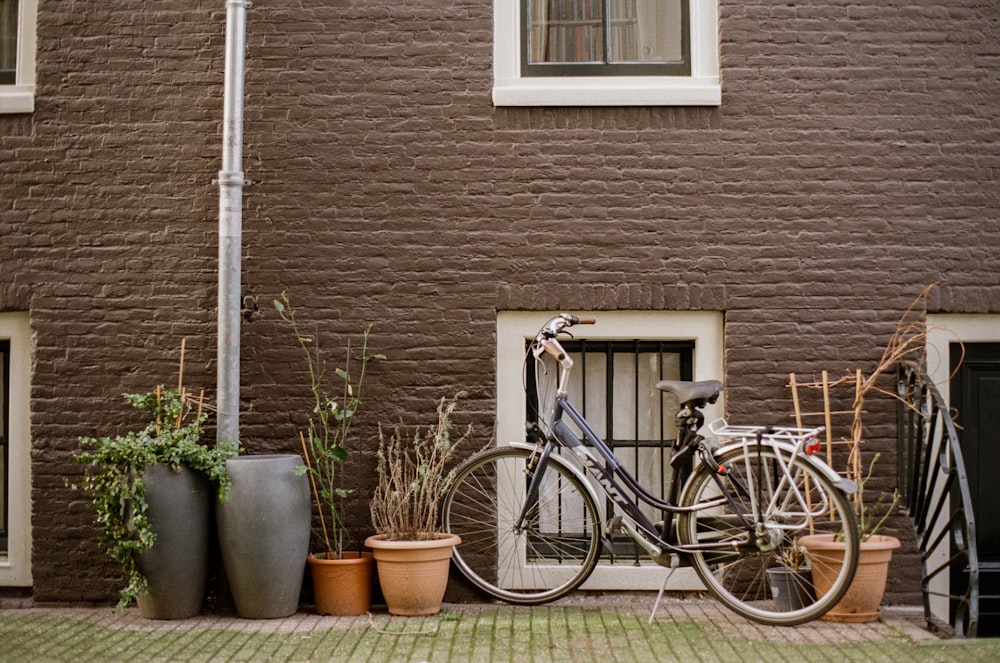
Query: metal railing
{"type": "Point", "coordinates": [934, 489]}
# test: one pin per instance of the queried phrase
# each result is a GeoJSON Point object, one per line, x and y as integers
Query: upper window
{"type": "Point", "coordinates": [605, 38]}
{"type": "Point", "coordinates": [17, 55]}
{"type": "Point", "coordinates": [606, 52]}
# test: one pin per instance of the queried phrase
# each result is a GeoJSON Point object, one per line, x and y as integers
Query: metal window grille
{"type": "Point", "coordinates": [614, 385]}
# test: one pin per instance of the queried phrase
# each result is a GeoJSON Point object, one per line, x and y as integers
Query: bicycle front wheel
{"type": "Point", "coordinates": [752, 557]}
{"type": "Point", "coordinates": [546, 555]}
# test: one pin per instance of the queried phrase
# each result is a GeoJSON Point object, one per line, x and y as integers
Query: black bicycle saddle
{"type": "Point", "coordinates": [699, 393]}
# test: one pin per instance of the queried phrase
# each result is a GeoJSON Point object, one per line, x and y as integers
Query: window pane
{"type": "Point", "coordinates": [645, 31]}
{"type": "Point", "coordinates": [8, 41]}
{"type": "Point", "coordinates": [566, 31]}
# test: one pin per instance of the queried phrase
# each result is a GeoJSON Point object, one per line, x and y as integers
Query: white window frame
{"type": "Point", "coordinates": [701, 88]}
{"type": "Point", "coordinates": [705, 328]}
{"type": "Point", "coordinates": [15, 565]}
{"type": "Point", "coordinates": [20, 97]}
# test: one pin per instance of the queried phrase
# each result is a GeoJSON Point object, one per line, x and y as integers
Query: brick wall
{"type": "Point", "coordinates": [850, 164]}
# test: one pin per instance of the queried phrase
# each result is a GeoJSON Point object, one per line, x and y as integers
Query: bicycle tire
{"type": "Point", "coordinates": [556, 550]}
{"type": "Point", "coordinates": [739, 574]}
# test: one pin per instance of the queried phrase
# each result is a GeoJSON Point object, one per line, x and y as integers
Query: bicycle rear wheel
{"type": "Point", "coordinates": [762, 576]}
{"type": "Point", "coordinates": [553, 551]}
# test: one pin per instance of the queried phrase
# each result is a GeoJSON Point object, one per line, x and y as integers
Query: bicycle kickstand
{"type": "Point", "coordinates": [674, 564]}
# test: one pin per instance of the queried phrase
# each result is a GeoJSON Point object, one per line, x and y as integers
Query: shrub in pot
{"type": "Point", "coordinates": [342, 579]}
{"type": "Point", "coordinates": [151, 492]}
{"type": "Point", "coordinates": [863, 598]}
{"type": "Point", "coordinates": [412, 557]}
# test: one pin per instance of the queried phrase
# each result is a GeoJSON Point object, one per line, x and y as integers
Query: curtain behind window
{"type": "Point", "coordinates": [8, 41]}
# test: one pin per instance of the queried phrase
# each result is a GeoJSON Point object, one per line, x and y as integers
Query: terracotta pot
{"type": "Point", "coordinates": [413, 574]}
{"type": "Point", "coordinates": [861, 602]}
{"type": "Point", "coordinates": [342, 587]}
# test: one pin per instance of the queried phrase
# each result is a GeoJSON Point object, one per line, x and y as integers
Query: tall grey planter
{"type": "Point", "coordinates": [264, 530]}
{"type": "Point", "coordinates": [176, 567]}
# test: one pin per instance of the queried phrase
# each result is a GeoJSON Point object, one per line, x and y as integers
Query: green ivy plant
{"type": "Point", "coordinates": [114, 481]}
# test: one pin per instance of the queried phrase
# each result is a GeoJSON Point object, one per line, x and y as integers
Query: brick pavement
{"type": "Point", "coordinates": [580, 628]}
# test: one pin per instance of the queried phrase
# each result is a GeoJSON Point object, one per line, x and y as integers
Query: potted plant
{"type": "Point", "coordinates": [412, 557]}
{"type": "Point", "coordinates": [342, 579]}
{"type": "Point", "coordinates": [863, 598]}
{"type": "Point", "coordinates": [151, 492]}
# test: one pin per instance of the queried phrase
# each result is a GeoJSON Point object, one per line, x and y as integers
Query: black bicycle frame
{"type": "Point", "coordinates": [608, 472]}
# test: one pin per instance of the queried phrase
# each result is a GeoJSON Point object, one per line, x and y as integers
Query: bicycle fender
{"type": "Point", "coordinates": [576, 471]}
{"type": "Point", "coordinates": [847, 486]}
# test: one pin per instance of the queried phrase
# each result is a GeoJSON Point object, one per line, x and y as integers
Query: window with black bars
{"type": "Point", "coordinates": [614, 386]}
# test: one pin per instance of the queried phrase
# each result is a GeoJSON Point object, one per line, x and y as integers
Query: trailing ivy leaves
{"type": "Point", "coordinates": [114, 481]}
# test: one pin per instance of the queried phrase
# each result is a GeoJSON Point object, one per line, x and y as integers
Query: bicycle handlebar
{"type": "Point", "coordinates": [560, 323]}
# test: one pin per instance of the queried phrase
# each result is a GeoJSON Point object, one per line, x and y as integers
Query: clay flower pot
{"type": "Point", "coordinates": [413, 574]}
{"type": "Point", "coordinates": [342, 587]}
{"type": "Point", "coordinates": [861, 602]}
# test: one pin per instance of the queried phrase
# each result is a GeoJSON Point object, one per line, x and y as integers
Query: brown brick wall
{"type": "Point", "coordinates": [850, 164]}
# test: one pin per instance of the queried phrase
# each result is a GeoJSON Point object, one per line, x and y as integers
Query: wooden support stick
{"type": "Point", "coordinates": [798, 423]}
{"type": "Point", "coordinates": [180, 386]}
{"type": "Point", "coordinates": [795, 399]}
{"type": "Point", "coordinates": [319, 505]}
{"type": "Point", "coordinates": [828, 419]}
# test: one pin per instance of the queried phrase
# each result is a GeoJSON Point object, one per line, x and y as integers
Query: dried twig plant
{"type": "Point", "coordinates": [413, 476]}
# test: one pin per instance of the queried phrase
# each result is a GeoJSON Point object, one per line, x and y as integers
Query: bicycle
{"type": "Point", "coordinates": [535, 516]}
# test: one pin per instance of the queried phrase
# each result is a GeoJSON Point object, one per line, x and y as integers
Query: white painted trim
{"type": "Point", "coordinates": [15, 566]}
{"type": "Point", "coordinates": [942, 331]}
{"type": "Point", "coordinates": [702, 88]}
{"type": "Point", "coordinates": [706, 328]}
{"type": "Point", "coordinates": [20, 97]}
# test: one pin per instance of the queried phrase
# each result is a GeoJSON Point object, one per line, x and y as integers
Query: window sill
{"type": "Point", "coordinates": [634, 91]}
{"type": "Point", "coordinates": [17, 99]}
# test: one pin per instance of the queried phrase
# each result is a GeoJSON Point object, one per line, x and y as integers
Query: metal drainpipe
{"type": "Point", "coordinates": [231, 225]}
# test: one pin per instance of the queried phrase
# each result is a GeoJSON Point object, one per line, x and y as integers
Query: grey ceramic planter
{"type": "Point", "coordinates": [264, 530]}
{"type": "Point", "coordinates": [177, 565]}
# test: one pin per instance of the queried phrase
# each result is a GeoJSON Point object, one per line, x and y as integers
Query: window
{"type": "Point", "coordinates": [605, 37]}
{"type": "Point", "coordinates": [15, 450]}
{"type": "Point", "coordinates": [17, 55]}
{"type": "Point", "coordinates": [618, 362]}
{"type": "Point", "coordinates": [606, 52]}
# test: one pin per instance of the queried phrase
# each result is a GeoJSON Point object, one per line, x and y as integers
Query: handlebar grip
{"type": "Point", "coordinates": [586, 321]}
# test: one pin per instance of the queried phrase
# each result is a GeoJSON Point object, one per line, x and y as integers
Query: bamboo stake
{"type": "Point", "coordinates": [312, 480]}
{"type": "Point", "coordinates": [201, 402]}
{"type": "Point", "coordinates": [798, 423]}
{"type": "Point", "coordinates": [828, 419]}
{"type": "Point", "coordinates": [180, 385]}
{"type": "Point", "coordinates": [158, 425]}
{"type": "Point", "coordinates": [795, 399]}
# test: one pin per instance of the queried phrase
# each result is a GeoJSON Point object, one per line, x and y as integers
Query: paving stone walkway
{"type": "Point", "coordinates": [579, 629]}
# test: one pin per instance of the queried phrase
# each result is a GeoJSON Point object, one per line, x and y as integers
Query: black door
{"type": "Point", "coordinates": [975, 395]}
